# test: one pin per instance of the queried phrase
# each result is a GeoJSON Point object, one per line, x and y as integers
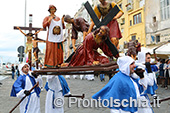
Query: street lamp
{"type": "Point", "coordinates": [25, 26]}
{"type": "Point", "coordinates": [30, 18]}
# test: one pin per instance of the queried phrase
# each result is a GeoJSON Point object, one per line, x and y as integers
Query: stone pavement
{"type": "Point", "coordinates": [77, 86]}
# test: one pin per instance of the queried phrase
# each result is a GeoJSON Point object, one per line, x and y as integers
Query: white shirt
{"type": "Point", "coordinates": [55, 38]}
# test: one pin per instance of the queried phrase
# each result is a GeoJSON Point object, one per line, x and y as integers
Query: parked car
{"type": "Point", "coordinates": [5, 69]}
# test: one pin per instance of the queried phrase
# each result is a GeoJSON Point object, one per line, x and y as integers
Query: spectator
{"type": "Point", "coordinates": [161, 73]}
{"type": "Point", "coordinates": [102, 77]}
{"type": "Point", "coordinates": [17, 71]}
{"type": "Point", "coordinates": [166, 73]}
{"type": "Point", "coordinates": [13, 71]}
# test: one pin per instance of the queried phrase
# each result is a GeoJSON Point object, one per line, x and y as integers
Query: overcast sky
{"type": "Point", "coordinates": [13, 13]}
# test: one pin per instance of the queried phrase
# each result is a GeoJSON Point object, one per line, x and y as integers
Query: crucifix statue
{"type": "Point", "coordinates": [31, 41]}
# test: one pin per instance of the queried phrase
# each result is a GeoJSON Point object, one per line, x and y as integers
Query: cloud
{"type": "Point", "coordinates": [9, 56]}
{"type": "Point", "coordinates": [10, 41]}
{"type": "Point", "coordinates": [13, 14]}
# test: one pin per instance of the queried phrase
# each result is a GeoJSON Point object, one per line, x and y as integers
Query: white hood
{"type": "Point", "coordinates": [141, 60]}
{"type": "Point", "coordinates": [141, 57]}
{"type": "Point", "coordinates": [124, 63]}
{"type": "Point", "coordinates": [21, 66]}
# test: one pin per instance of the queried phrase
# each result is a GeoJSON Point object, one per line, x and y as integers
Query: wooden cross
{"type": "Point", "coordinates": [30, 28]}
{"type": "Point", "coordinates": [112, 13]}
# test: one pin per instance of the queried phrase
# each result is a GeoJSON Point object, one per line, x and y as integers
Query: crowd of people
{"type": "Point", "coordinates": [163, 74]}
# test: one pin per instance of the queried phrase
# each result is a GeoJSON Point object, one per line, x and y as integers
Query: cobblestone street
{"type": "Point", "coordinates": [78, 87]}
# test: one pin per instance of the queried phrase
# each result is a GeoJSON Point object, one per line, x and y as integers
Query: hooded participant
{"type": "Point", "coordinates": [21, 87]}
{"type": "Point", "coordinates": [120, 86]}
{"type": "Point", "coordinates": [123, 85]}
{"type": "Point", "coordinates": [56, 87]}
{"type": "Point", "coordinates": [145, 58]}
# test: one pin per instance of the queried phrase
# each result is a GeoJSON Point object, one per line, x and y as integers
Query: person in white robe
{"type": "Point", "coordinates": [56, 87]}
{"type": "Point", "coordinates": [145, 58]}
{"type": "Point", "coordinates": [21, 87]}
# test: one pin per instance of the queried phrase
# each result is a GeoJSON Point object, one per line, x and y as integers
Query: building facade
{"type": "Point", "coordinates": [157, 21]}
{"type": "Point", "coordinates": [132, 23]}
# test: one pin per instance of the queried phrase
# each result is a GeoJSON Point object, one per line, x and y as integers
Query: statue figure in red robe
{"type": "Point", "coordinates": [87, 54]}
{"type": "Point", "coordinates": [54, 42]}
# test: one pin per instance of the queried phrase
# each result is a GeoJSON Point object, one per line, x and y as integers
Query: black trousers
{"type": "Point", "coordinates": [166, 78]}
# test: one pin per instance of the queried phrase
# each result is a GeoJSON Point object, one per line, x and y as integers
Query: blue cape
{"type": "Point", "coordinates": [151, 89]}
{"type": "Point", "coordinates": [119, 87]}
{"type": "Point", "coordinates": [19, 84]}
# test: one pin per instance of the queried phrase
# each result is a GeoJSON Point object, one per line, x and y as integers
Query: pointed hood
{"type": "Point", "coordinates": [141, 57]}
{"type": "Point", "coordinates": [141, 60]}
{"type": "Point", "coordinates": [124, 63]}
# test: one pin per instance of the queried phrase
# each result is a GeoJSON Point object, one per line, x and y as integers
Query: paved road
{"type": "Point", "coordinates": [3, 77]}
{"type": "Point", "coordinates": [77, 86]}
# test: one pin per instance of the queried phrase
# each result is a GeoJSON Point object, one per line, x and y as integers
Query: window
{"type": "Point", "coordinates": [154, 19]}
{"type": "Point", "coordinates": [157, 38]}
{"type": "Point", "coordinates": [123, 21]}
{"type": "Point", "coordinates": [134, 37]}
{"type": "Point", "coordinates": [130, 22]}
{"type": "Point", "coordinates": [137, 19]}
{"type": "Point", "coordinates": [165, 9]}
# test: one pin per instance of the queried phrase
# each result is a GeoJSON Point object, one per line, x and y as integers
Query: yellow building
{"type": "Point", "coordinates": [132, 23]}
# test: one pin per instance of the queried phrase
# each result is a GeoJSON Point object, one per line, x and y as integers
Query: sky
{"type": "Point", "coordinates": [13, 14]}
